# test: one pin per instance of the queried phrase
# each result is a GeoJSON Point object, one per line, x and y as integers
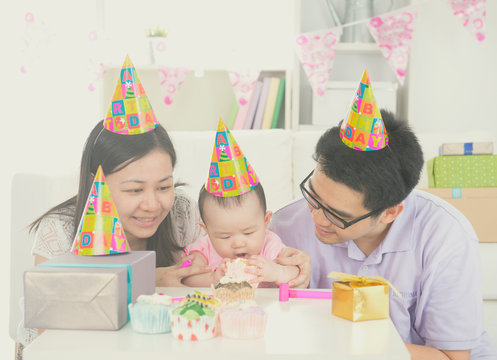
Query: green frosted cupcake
{"type": "Point", "coordinates": [195, 318]}
{"type": "Point", "coordinates": [150, 314]}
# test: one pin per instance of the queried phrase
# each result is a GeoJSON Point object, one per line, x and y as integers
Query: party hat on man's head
{"type": "Point", "coordinates": [230, 174]}
{"type": "Point", "coordinates": [364, 129]}
{"type": "Point", "coordinates": [100, 231]}
{"type": "Point", "coordinates": [130, 112]}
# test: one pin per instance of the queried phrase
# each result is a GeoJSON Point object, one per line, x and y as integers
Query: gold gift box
{"type": "Point", "coordinates": [359, 298]}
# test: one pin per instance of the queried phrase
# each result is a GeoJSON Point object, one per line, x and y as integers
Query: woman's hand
{"type": "Point", "coordinates": [291, 256]}
{"type": "Point", "coordinates": [171, 276]}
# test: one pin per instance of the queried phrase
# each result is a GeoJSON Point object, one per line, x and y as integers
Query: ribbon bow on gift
{"type": "Point", "coordinates": [362, 280]}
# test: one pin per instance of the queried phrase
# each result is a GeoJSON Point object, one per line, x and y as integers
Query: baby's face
{"type": "Point", "coordinates": [238, 230]}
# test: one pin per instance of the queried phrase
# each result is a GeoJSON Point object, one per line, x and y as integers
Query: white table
{"type": "Point", "coordinates": [298, 329]}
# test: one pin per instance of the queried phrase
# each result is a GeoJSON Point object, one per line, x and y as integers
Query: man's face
{"type": "Point", "coordinates": [341, 201]}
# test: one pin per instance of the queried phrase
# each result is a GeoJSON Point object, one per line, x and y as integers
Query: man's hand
{"type": "Point", "coordinates": [291, 256]}
{"type": "Point", "coordinates": [426, 352]}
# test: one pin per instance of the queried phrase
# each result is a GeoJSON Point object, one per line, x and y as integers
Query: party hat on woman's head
{"type": "Point", "coordinates": [130, 112]}
{"type": "Point", "coordinates": [230, 174]}
{"type": "Point", "coordinates": [100, 231]}
{"type": "Point", "coordinates": [364, 129]}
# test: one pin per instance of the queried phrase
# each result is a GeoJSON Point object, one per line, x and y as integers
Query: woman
{"type": "Point", "coordinates": [155, 215]}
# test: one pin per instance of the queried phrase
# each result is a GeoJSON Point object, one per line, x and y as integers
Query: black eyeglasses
{"type": "Point", "coordinates": [334, 219]}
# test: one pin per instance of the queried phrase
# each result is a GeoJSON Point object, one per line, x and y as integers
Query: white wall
{"type": "Point", "coordinates": [452, 76]}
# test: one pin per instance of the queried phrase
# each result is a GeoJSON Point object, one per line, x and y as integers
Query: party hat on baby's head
{"type": "Point", "coordinates": [100, 231]}
{"type": "Point", "coordinates": [130, 112]}
{"type": "Point", "coordinates": [364, 129]}
{"type": "Point", "coordinates": [230, 174]}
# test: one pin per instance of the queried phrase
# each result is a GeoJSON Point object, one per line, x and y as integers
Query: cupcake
{"type": "Point", "coordinates": [242, 320]}
{"type": "Point", "coordinates": [150, 314]}
{"type": "Point", "coordinates": [195, 318]}
{"type": "Point", "coordinates": [235, 272]}
{"type": "Point", "coordinates": [234, 291]}
{"type": "Point", "coordinates": [235, 286]}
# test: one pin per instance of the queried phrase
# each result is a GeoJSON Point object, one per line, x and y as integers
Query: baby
{"type": "Point", "coordinates": [236, 227]}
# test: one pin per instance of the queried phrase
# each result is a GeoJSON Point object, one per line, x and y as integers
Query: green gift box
{"type": "Point", "coordinates": [462, 171]}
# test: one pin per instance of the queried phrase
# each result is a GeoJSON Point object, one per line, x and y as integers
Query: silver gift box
{"type": "Point", "coordinates": [469, 148]}
{"type": "Point", "coordinates": [86, 292]}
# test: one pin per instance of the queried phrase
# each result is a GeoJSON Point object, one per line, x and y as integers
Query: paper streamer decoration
{"type": "Point", "coordinates": [243, 86]}
{"type": "Point", "coordinates": [96, 68]}
{"type": "Point", "coordinates": [316, 52]}
{"type": "Point", "coordinates": [97, 72]}
{"type": "Point", "coordinates": [130, 112]}
{"type": "Point", "coordinates": [36, 37]}
{"type": "Point", "coordinates": [472, 14]}
{"type": "Point", "coordinates": [171, 79]}
{"type": "Point", "coordinates": [364, 129]}
{"type": "Point", "coordinates": [230, 174]}
{"type": "Point", "coordinates": [100, 231]}
{"type": "Point", "coordinates": [393, 33]}
{"type": "Point", "coordinates": [157, 46]}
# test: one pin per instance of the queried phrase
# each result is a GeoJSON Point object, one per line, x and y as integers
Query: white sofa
{"type": "Point", "coordinates": [281, 158]}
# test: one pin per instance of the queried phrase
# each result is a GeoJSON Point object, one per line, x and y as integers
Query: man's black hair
{"type": "Point", "coordinates": [385, 176]}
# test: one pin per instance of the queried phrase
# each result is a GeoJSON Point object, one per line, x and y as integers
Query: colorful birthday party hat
{"type": "Point", "coordinates": [230, 174]}
{"type": "Point", "coordinates": [100, 231]}
{"type": "Point", "coordinates": [364, 129]}
{"type": "Point", "coordinates": [130, 112]}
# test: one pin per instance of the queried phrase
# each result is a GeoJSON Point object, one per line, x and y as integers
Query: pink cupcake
{"type": "Point", "coordinates": [242, 320]}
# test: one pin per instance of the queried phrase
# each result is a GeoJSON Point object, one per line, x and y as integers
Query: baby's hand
{"type": "Point", "coordinates": [221, 270]}
{"type": "Point", "coordinates": [264, 270]}
{"type": "Point", "coordinates": [194, 258]}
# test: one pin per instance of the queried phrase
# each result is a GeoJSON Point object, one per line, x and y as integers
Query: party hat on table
{"type": "Point", "coordinates": [100, 231]}
{"type": "Point", "coordinates": [230, 174]}
{"type": "Point", "coordinates": [130, 112]}
{"type": "Point", "coordinates": [364, 129]}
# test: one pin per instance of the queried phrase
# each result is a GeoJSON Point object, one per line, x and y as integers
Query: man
{"type": "Point", "coordinates": [360, 215]}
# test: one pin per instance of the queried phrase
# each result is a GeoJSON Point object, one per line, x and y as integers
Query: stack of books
{"type": "Point", "coordinates": [266, 107]}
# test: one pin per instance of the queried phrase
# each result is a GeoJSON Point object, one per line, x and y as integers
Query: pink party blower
{"type": "Point", "coordinates": [286, 293]}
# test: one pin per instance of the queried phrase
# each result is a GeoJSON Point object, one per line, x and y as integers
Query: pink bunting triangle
{"type": "Point", "coordinates": [171, 80]}
{"type": "Point", "coordinates": [316, 52]}
{"type": "Point", "coordinates": [243, 85]}
{"type": "Point", "coordinates": [393, 34]}
{"type": "Point", "coordinates": [472, 14]}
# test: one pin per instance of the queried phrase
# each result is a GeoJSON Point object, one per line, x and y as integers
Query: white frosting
{"type": "Point", "coordinates": [155, 299]}
{"type": "Point", "coordinates": [235, 272]}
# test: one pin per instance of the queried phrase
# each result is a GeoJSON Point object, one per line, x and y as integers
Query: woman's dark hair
{"type": "Point", "coordinates": [227, 202]}
{"type": "Point", "coordinates": [114, 152]}
{"type": "Point", "coordinates": [385, 176]}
